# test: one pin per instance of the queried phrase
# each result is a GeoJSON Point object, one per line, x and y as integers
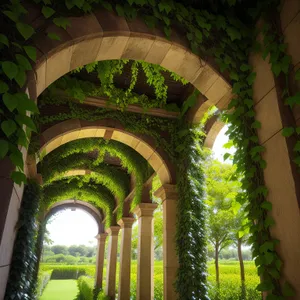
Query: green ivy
{"type": "Point", "coordinates": [134, 163]}
{"type": "Point", "coordinates": [73, 188]}
{"type": "Point", "coordinates": [21, 282]}
{"type": "Point", "coordinates": [117, 181]}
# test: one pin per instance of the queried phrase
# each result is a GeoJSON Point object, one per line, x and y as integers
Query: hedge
{"type": "Point", "coordinates": [43, 279]}
{"type": "Point", "coordinates": [86, 287]}
{"type": "Point", "coordinates": [67, 272]}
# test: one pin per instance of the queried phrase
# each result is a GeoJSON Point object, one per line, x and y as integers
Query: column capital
{"type": "Point", "coordinates": [113, 230]}
{"type": "Point", "coordinates": [145, 209]}
{"type": "Point", "coordinates": [167, 192]}
{"type": "Point", "coordinates": [126, 222]}
{"type": "Point", "coordinates": [101, 237]}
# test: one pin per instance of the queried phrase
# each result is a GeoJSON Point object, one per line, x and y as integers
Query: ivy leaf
{"type": "Point", "coordinates": [79, 3]}
{"type": "Point", "coordinates": [278, 264]}
{"type": "Point", "coordinates": [288, 131]}
{"type": "Point", "coordinates": [61, 22]}
{"type": "Point", "coordinates": [167, 31]}
{"type": "Point", "coordinates": [107, 6]}
{"type": "Point", "coordinates": [291, 101]}
{"type": "Point", "coordinates": [298, 130]}
{"type": "Point", "coordinates": [297, 75]}
{"type": "Point", "coordinates": [269, 221]}
{"type": "Point", "coordinates": [233, 33]}
{"type": "Point", "coordinates": [47, 11]}
{"type": "Point", "coordinates": [22, 138]}
{"type": "Point", "coordinates": [265, 286]}
{"type": "Point", "coordinates": [31, 52]}
{"type": "Point", "coordinates": [297, 146]}
{"type": "Point", "coordinates": [288, 290]}
{"type": "Point", "coordinates": [54, 36]}
{"type": "Point", "coordinates": [120, 10]}
{"type": "Point", "coordinates": [248, 102]}
{"type": "Point", "coordinates": [10, 101]}
{"type": "Point", "coordinates": [25, 120]}
{"type": "Point", "coordinates": [69, 4]}
{"type": "Point", "coordinates": [163, 6]}
{"type": "Point", "coordinates": [234, 76]}
{"type": "Point", "coordinates": [226, 156]}
{"type": "Point", "coordinates": [3, 148]}
{"type": "Point", "coordinates": [20, 78]}
{"type": "Point", "coordinates": [236, 87]}
{"type": "Point", "coordinates": [8, 127]}
{"type": "Point", "coordinates": [256, 125]}
{"type": "Point", "coordinates": [251, 78]}
{"type": "Point", "coordinates": [17, 158]}
{"type": "Point", "coordinates": [4, 40]}
{"type": "Point", "coordinates": [24, 62]}
{"type": "Point", "coordinates": [3, 87]}
{"type": "Point", "coordinates": [10, 69]}
{"type": "Point", "coordinates": [26, 30]}
{"type": "Point", "coordinates": [25, 104]}
{"type": "Point", "coordinates": [12, 15]}
{"type": "Point", "coordinates": [18, 177]}
{"type": "Point", "coordinates": [266, 246]}
{"type": "Point", "coordinates": [228, 145]}
{"type": "Point", "coordinates": [266, 205]}
{"type": "Point", "coordinates": [276, 68]}
{"type": "Point", "coordinates": [189, 102]}
{"type": "Point", "coordinates": [245, 67]}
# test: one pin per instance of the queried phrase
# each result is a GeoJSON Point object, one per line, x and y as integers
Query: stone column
{"type": "Point", "coordinates": [145, 282]}
{"type": "Point", "coordinates": [110, 288]}
{"type": "Point", "coordinates": [125, 258]}
{"type": "Point", "coordinates": [169, 196]}
{"type": "Point", "coordinates": [100, 259]}
{"type": "Point", "coordinates": [280, 175]}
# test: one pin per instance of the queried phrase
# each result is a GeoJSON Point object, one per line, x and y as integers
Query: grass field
{"type": "Point", "coordinates": [60, 290]}
{"type": "Point", "coordinates": [230, 284]}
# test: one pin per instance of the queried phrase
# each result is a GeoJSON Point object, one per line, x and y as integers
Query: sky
{"type": "Point", "coordinates": [78, 227]}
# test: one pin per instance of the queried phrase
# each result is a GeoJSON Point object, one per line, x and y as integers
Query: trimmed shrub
{"type": "Point", "coordinates": [67, 272]}
{"type": "Point", "coordinates": [102, 296]}
{"type": "Point", "coordinates": [86, 287]}
{"type": "Point", "coordinates": [43, 280]}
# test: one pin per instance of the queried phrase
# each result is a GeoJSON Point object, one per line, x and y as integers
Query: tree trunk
{"type": "Point", "coordinates": [242, 269]}
{"type": "Point", "coordinates": [217, 264]}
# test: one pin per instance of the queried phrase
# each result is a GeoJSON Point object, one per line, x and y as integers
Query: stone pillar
{"type": "Point", "coordinates": [100, 259]}
{"type": "Point", "coordinates": [145, 282]}
{"type": "Point", "coordinates": [169, 196]}
{"type": "Point", "coordinates": [125, 258]}
{"type": "Point", "coordinates": [280, 174]}
{"type": "Point", "coordinates": [110, 288]}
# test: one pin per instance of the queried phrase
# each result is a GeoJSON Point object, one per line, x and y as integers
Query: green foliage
{"type": "Point", "coordinates": [190, 235]}
{"type": "Point", "coordinates": [86, 287]}
{"type": "Point", "coordinates": [24, 258]}
{"type": "Point", "coordinates": [43, 279]}
{"type": "Point", "coordinates": [130, 160]}
{"type": "Point", "coordinates": [117, 181]}
{"type": "Point", "coordinates": [108, 69]}
{"type": "Point", "coordinates": [73, 188]}
{"type": "Point", "coordinates": [67, 272]}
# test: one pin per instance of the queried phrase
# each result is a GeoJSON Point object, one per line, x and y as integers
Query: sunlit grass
{"type": "Point", "coordinates": [60, 290]}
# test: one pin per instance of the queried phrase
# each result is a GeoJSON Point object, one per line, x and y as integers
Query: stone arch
{"type": "Point", "coordinates": [70, 130]}
{"type": "Point", "coordinates": [212, 129]}
{"type": "Point", "coordinates": [87, 207]}
{"type": "Point", "coordinates": [103, 35]}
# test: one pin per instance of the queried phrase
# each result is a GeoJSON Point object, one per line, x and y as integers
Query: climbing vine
{"type": "Point", "coordinates": [21, 283]}
{"type": "Point", "coordinates": [117, 181]}
{"type": "Point", "coordinates": [74, 188]}
{"type": "Point", "coordinates": [130, 160]}
{"type": "Point", "coordinates": [106, 72]}
{"type": "Point", "coordinates": [216, 32]}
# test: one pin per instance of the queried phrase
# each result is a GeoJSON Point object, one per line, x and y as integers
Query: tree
{"type": "Point", "coordinates": [59, 249]}
{"type": "Point", "coordinates": [221, 190]}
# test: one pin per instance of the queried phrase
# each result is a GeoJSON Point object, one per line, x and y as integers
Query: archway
{"type": "Point", "coordinates": [128, 46]}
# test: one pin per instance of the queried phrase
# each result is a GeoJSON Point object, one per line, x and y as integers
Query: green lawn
{"type": "Point", "coordinates": [60, 290]}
